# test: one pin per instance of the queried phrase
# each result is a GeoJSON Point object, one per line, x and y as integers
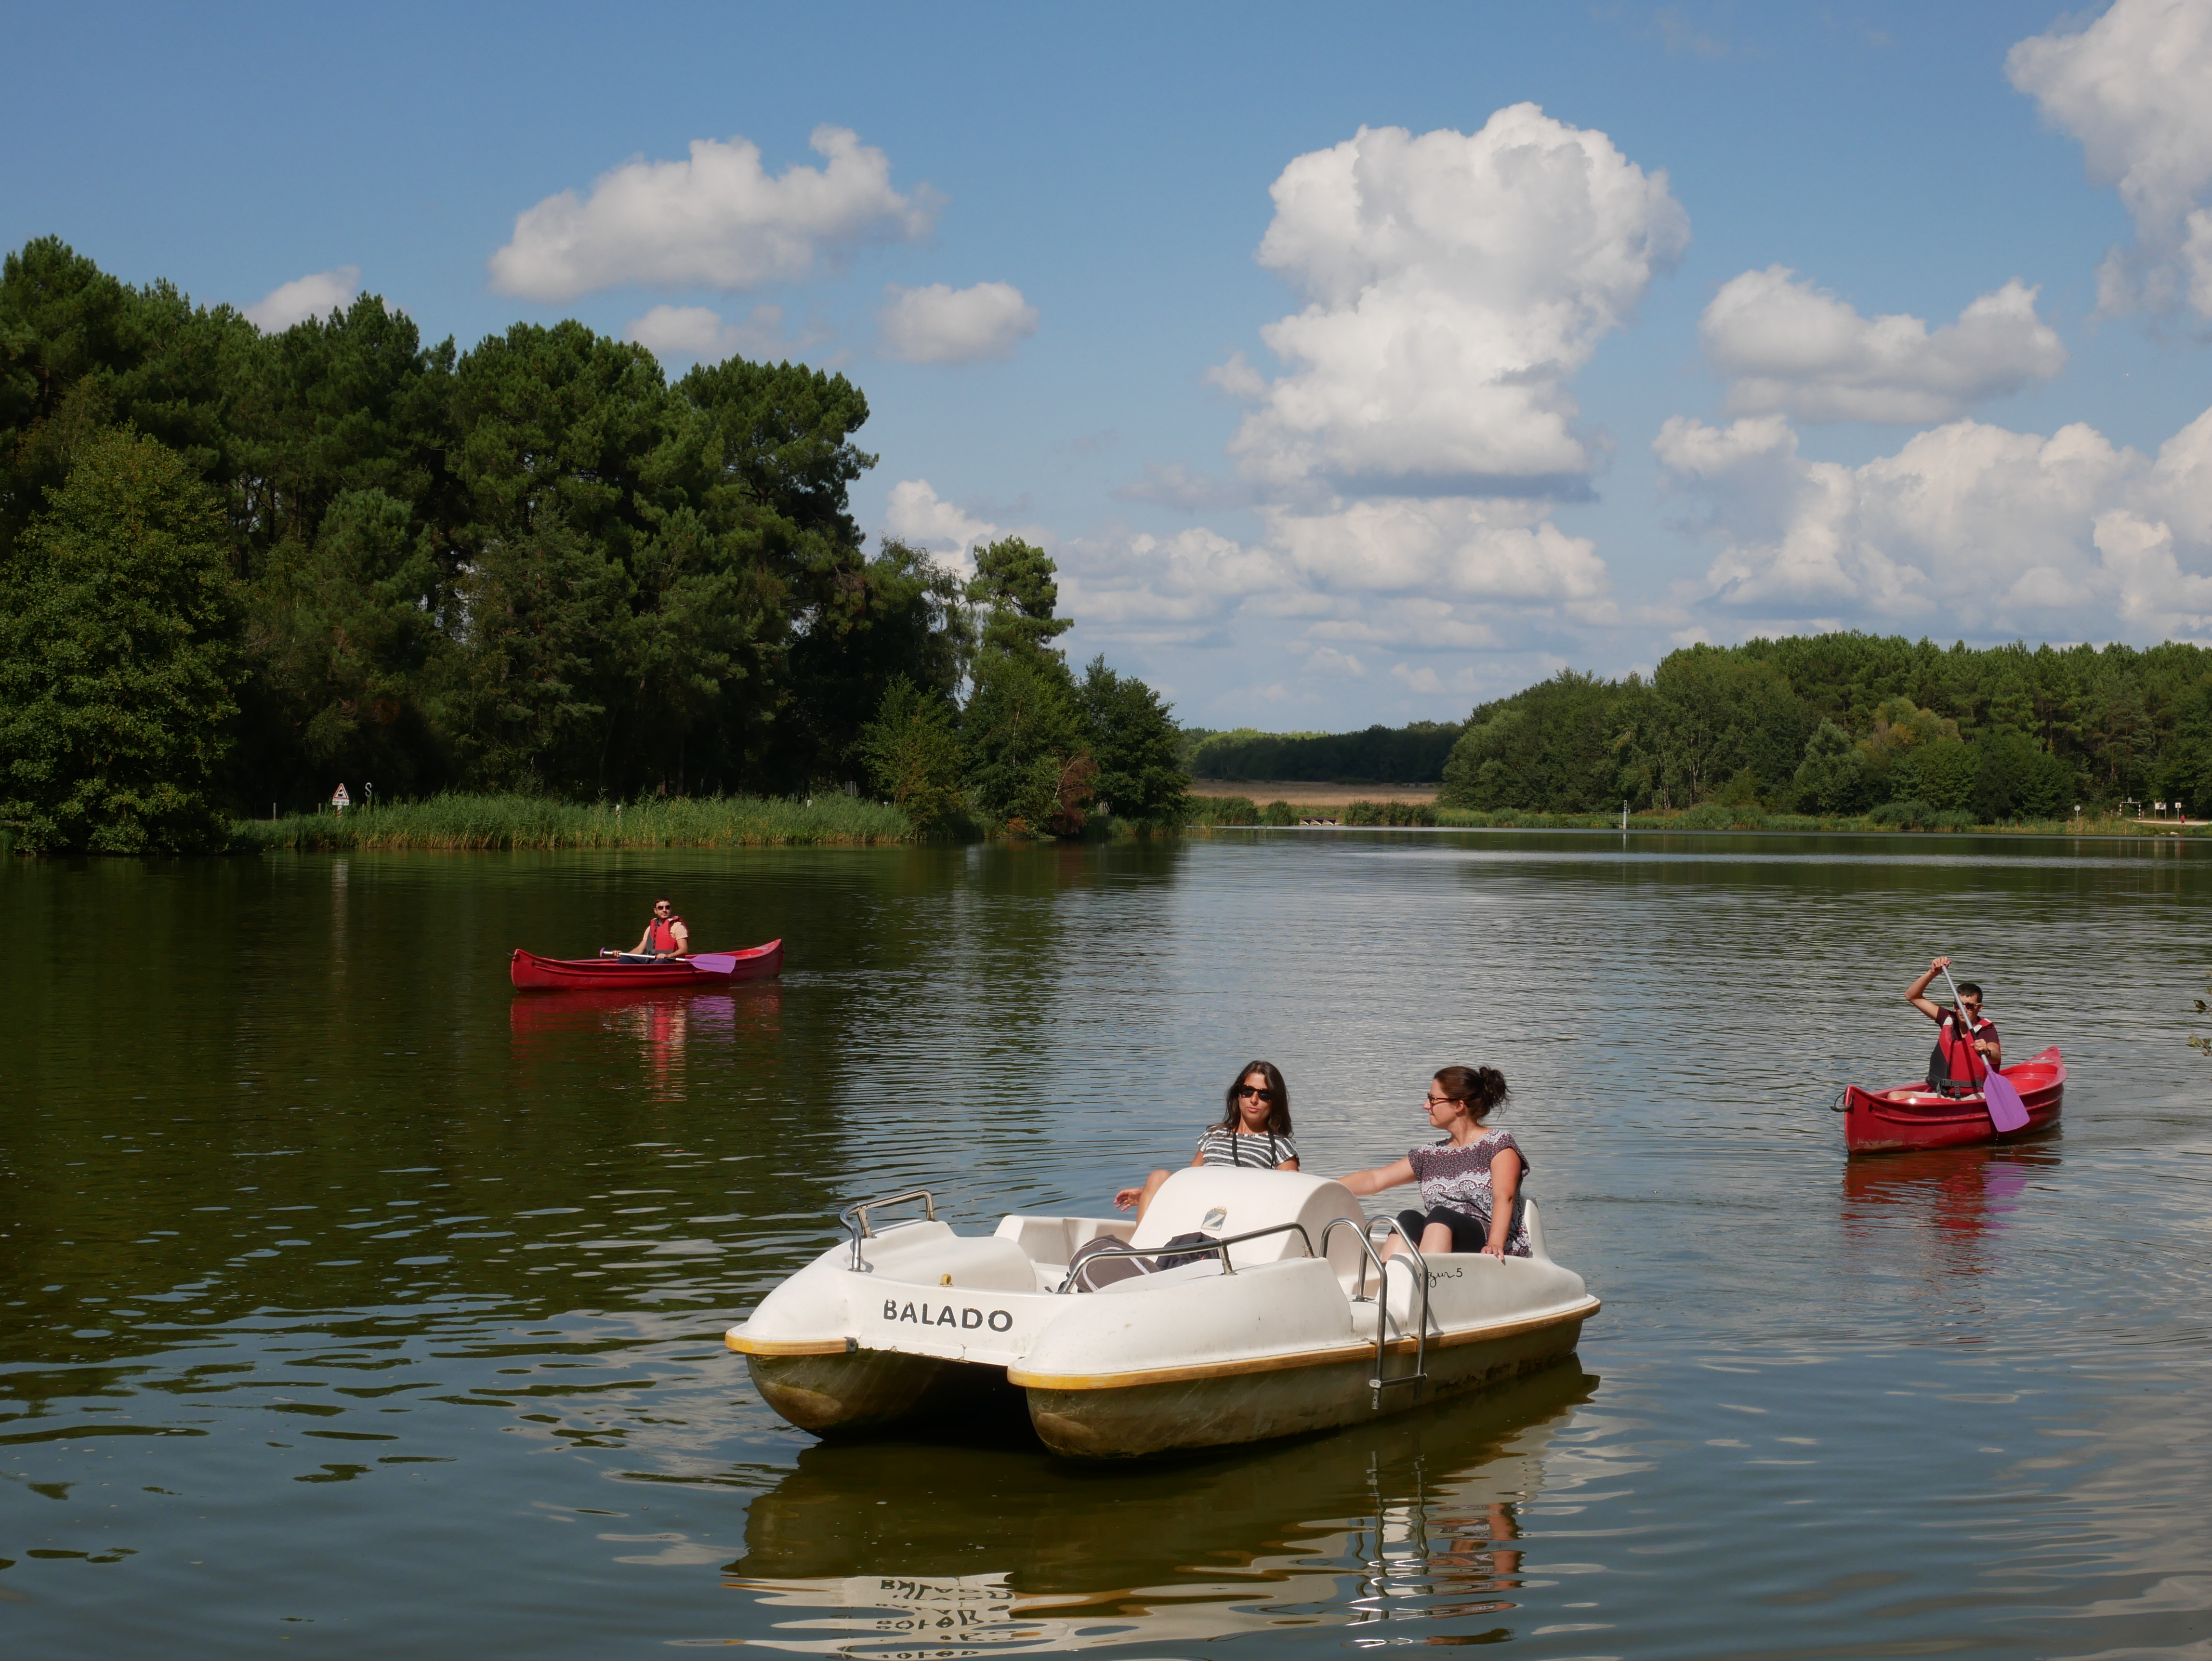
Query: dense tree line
{"type": "Point", "coordinates": [1381, 755]}
{"type": "Point", "coordinates": [1034, 749]}
{"type": "Point", "coordinates": [1849, 723]}
{"type": "Point", "coordinates": [235, 567]}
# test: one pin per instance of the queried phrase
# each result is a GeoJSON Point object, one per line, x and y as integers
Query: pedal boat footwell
{"type": "Point", "coordinates": [915, 1322]}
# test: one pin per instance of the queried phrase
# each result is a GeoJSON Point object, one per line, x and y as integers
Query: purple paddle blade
{"type": "Point", "coordinates": [721, 962]}
{"type": "Point", "coordinates": [2006, 1111]}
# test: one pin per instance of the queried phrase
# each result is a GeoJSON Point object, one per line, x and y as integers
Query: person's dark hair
{"type": "Point", "coordinates": [1968, 988]}
{"type": "Point", "coordinates": [1482, 1088]}
{"type": "Point", "coordinates": [1279, 1110]}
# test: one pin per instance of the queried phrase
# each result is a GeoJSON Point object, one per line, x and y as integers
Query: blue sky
{"type": "Point", "coordinates": [1678, 353]}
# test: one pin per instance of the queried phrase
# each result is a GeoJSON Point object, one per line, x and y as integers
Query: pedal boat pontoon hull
{"type": "Point", "coordinates": [1258, 1339]}
{"type": "Point", "coordinates": [1915, 1116]}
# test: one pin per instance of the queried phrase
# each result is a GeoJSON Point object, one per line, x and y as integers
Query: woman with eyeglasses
{"type": "Point", "coordinates": [1253, 1131]}
{"type": "Point", "coordinates": [1471, 1199]}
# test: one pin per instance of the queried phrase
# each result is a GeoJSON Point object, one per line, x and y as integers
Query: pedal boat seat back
{"type": "Point", "coordinates": [1219, 1202]}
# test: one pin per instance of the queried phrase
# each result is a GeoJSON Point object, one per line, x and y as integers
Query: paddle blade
{"type": "Point", "coordinates": [2007, 1111]}
{"type": "Point", "coordinates": [718, 963]}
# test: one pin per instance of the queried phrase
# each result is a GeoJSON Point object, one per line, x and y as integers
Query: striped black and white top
{"type": "Point", "coordinates": [1222, 1146]}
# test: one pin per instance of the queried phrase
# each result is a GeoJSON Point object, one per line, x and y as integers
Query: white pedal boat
{"type": "Point", "coordinates": [1291, 1322]}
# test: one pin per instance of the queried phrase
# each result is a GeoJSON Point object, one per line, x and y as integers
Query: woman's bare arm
{"type": "Point", "coordinates": [1505, 1183]}
{"type": "Point", "coordinates": [1382, 1176]}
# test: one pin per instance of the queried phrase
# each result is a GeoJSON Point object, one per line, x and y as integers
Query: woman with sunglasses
{"type": "Point", "coordinates": [1471, 1199]}
{"type": "Point", "coordinates": [1253, 1131]}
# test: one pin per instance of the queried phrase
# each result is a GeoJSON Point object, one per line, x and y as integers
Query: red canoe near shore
{"type": "Point", "coordinates": [532, 973]}
{"type": "Point", "coordinates": [1913, 1116]}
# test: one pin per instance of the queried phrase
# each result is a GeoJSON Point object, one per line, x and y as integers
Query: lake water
{"type": "Point", "coordinates": [350, 1305]}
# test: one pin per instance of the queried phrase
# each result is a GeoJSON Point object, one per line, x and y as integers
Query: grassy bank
{"type": "Point", "coordinates": [1229, 812]}
{"type": "Point", "coordinates": [477, 823]}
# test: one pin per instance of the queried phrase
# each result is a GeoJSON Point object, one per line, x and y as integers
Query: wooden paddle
{"type": "Point", "coordinates": [2007, 1111]}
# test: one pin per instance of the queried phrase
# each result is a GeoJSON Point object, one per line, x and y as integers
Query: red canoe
{"type": "Point", "coordinates": [1913, 1116]}
{"type": "Point", "coordinates": [532, 973]}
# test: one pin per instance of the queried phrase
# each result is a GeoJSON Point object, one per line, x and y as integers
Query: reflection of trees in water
{"type": "Point", "coordinates": [997, 1549]}
{"type": "Point", "coordinates": [986, 997]}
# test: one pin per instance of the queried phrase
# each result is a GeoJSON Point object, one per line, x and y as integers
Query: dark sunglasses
{"type": "Point", "coordinates": [1247, 1090]}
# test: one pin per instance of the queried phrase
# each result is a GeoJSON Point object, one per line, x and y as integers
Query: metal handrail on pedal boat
{"type": "Point", "coordinates": [855, 1218]}
{"type": "Point", "coordinates": [1419, 1269]}
{"type": "Point", "coordinates": [1209, 1249]}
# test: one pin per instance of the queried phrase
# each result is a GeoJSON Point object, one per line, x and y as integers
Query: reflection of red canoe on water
{"type": "Point", "coordinates": [1913, 1116]}
{"type": "Point", "coordinates": [597, 1008]}
{"type": "Point", "coordinates": [532, 973]}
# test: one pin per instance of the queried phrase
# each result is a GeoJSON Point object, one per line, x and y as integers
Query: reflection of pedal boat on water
{"type": "Point", "coordinates": [1408, 1517]}
{"type": "Point", "coordinates": [1285, 1322]}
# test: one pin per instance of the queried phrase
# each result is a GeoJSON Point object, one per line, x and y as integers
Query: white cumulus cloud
{"type": "Point", "coordinates": [943, 325]}
{"type": "Point", "coordinates": [698, 333]}
{"type": "Point", "coordinates": [1456, 283]}
{"type": "Point", "coordinates": [2069, 537]}
{"type": "Point", "coordinates": [316, 294]}
{"type": "Point", "coordinates": [716, 221]}
{"type": "Point", "coordinates": [1788, 346]}
{"type": "Point", "coordinates": [916, 514]}
{"type": "Point", "coordinates": [2135, 87]}
{"type": "Point", "coordinates": [1496, 550]}
{"type": "Point", "coordinates": [1179, 588]}
{"type": "Point", "coordinates": [1396, 576]}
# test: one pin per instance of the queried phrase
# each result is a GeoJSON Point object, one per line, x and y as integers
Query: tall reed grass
{"type": "Point", "coordinates": [461, 823]}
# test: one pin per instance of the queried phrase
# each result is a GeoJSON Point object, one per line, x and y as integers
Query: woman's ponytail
{"type": "Point", "coordinates": [1482, 1088]}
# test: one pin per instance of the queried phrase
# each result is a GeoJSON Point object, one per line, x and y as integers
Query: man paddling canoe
{"type": "Point", "coordinates": [1966, 1045]}
{"type": "Point", "coordinates": [665, 936]}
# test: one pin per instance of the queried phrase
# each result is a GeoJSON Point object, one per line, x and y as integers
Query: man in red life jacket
{"type": "Point", "coordinates": [1966, 1045]}
{"type": "Point", "coordinates": [665, 936]}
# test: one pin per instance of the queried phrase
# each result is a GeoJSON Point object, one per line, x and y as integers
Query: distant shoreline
{"type": "Point", "coordinates": [1299, 794]}
{"type": "Point", "coordinates": [1243, 810]}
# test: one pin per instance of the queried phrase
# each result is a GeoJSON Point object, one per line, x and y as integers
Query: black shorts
{"type": "Point", "coordinates": [1468, 1233]}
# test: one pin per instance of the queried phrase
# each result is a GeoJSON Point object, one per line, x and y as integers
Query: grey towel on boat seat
{"type": "Point", "coordinates": [1093, 1271]}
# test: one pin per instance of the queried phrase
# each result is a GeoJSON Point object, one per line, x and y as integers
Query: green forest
{"type": "Point", "coordinates": [237, 567]}
{"type": "Point", "coordinates": [1380, 755]}
{"type": "Point", "coordinates": [1848, 724]}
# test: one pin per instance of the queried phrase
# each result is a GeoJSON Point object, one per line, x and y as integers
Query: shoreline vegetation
{"type": "Point", "coordinates": [1241, 813]}
{"type": "Point", "coordinates": [455, 822]}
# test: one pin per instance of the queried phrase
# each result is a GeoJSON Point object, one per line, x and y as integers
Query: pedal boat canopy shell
{"type": "Point", "coordinates": [1912, 1116]}
{"type": "Point", "coordinates": [532, 973]}
{"type": "Point", "coordinates": [1296, 1331]}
